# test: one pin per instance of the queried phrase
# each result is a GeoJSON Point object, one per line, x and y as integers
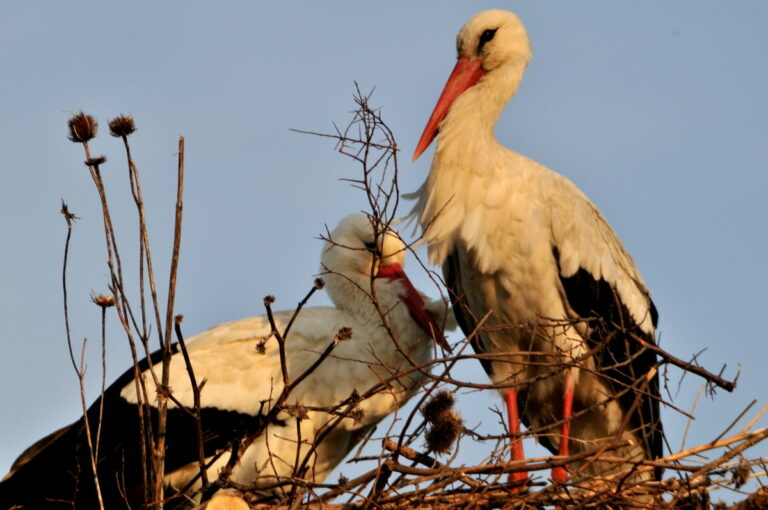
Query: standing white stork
{"type": "Point", "coordinates": [241, 365]}
{"type": "Point", "coordinates": [523, 243]}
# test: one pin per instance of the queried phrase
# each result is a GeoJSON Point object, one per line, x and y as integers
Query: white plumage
{"type": "Point", "coordinates": [240, 364]}
{"type": "Point", "coordinates": [523, 243]}
{"type": "Point", "coordinates": [239, 377]}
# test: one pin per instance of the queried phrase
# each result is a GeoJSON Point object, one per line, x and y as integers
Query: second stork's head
{"type": "Point", "coordinates": [359, 246]}
{"type": "Point", "coordinates": [357, 250]}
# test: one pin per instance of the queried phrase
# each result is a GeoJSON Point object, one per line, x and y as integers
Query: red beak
{"type": "Point", "coordinates": [465, 74]}
{"type": "Point", "coordinates": [415, 304]}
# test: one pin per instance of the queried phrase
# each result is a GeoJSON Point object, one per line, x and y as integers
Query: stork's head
{"type": "Point", "coordinates": [356, 251]}
{"type": "Point", "coordinates": [492, 38]}
{"type": "Point", "coordinates": [485, 43]}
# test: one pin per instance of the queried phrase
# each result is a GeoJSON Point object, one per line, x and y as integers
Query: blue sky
{"type": "Point", "coordinates": [656, 110]}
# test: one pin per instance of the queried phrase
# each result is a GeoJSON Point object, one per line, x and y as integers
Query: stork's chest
{"type": "Point", "coordinates": [523, 287]}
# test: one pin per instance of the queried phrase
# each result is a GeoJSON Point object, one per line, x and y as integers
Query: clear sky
{"type": "Point", "coordinates": [657, 110]}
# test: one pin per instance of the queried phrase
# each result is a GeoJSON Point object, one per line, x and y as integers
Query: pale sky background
{"type": "Point", "coordinates": [657, 110]}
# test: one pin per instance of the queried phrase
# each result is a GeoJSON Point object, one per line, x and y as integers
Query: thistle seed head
{"type": "Point", "coordinates": [121, 126]}
{"type": "Point", "coordinates": [82, 127]}
{"type": "Point", "coordinates": [444, 432]}
{"type": "Point", "coordinates": [441, 402]}
{"type": "Point", "coordinates": [103, 301]}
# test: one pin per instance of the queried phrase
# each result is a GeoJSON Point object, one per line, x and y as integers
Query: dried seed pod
{"type": "Point", "coordinates": [98, 160]}
{"type": "Point", "coordinates": [445, 424]}
{"type": "Point", "coordinates": [261, 347]}
{"type": "Point", "coordinates": [343, 334]}
{"type": "Point", "coordinates": [103, 301]}
{"type": "Point", "coordinates": [356, 414]}
{"type": "Point", "coordinates": [82, 127]}
{"type": "Point", "coordinates": [298, 411]}
{"type": "Point", "coordinates": [70, 217]}
{"type": "Point", "coordinates": [741, 473]}
{"type": "Point", "coordinates": [121, 126]}
{"type": "Point", "coordinates": [444, 432]}
{"type": "Point", "coordinates": [441, 402]}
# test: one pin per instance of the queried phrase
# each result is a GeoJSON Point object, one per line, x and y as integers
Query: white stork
{"type": "Point", "coordinates": [523, 243]}
{"type": "Point", "coordinates": [241, 365]}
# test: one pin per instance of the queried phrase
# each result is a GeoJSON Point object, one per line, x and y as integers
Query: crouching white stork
{"type": "Point", "coordinates": [569, 311]}
{"type": "Point", "coordinates": [241, 366]}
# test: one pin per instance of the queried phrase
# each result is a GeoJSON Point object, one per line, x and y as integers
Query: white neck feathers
{"type": "Point", "coordinates": [467, 159]}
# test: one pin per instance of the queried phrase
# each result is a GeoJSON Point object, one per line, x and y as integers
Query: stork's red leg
{"type": "Point", "coordinates": [560, 473]}
{"type": "Point", "coordinates": [517, 445]}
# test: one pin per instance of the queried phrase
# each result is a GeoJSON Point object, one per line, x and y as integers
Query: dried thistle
{"type": "Point", "coordinates": [445, 424]}
{"type": "Point", "coordinates": [356, 414]}
{"type": "Point", "coordinates": [741, 473]}
{"type": "Point", "coordinates": [122, 126]}
{"type": "Point", "coordinates": [319, 283]}
{"type": "Point", "coordinates": [70, 217]}
{"type": "Point", "coordinates": [261, 347]}
{"type": "Point", "coordinates": [342, 335]}
{"type": "Point", "coordinates": [440, 403]}
{"type": "Point", "coordinates": [444, 432]}
{"type": "Point", "coordinates": [103, 301]}
{"type": "Point", "coordinates": [298, 411]}
{"type": "Point", "coordinates": [98, 160]}
{"type": "Point", "coordinates": [82, 127]}
{"type": "Point", "coordinates": [268, 300]}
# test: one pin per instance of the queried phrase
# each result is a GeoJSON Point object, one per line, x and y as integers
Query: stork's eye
{"type": "Point", "coordinates": [486, 36]}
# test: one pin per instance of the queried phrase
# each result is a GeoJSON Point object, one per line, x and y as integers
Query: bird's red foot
{"type": "Point", "coordinates": [560, 474]}
{"type": "Point", "coordinates": [519, 480]}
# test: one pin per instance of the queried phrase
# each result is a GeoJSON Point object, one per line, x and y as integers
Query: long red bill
{"type": "Point", "coordinates": [415, 304]}
{"type": "Point", "coordinates": [465, 74]}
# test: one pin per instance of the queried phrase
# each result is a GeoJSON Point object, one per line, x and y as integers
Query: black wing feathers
{"type": "Point", "coordinates": [619, 355]}
{"type": "Point", "coordinates": [58, 467]}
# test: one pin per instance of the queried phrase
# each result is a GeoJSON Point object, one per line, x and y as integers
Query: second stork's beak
{"type": "Point", "coordinates": [415, 304]}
